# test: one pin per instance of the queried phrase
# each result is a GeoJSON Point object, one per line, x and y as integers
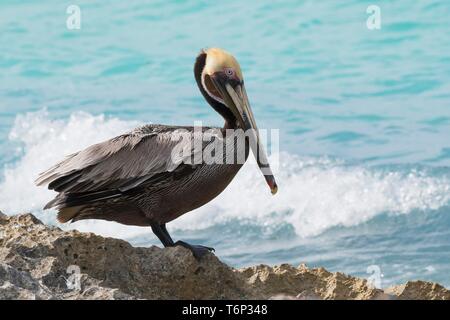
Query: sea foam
{"type": "Point", "coordinates": [315, 193]}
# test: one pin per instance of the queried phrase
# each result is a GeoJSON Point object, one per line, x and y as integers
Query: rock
{"type": "Point", "coordinates": [44, 262]}
{"type": "Point", "coordinates": [51, 256]}
{"type": "Point", "coordinates": [308, 284]}
{"type": "Point", "coordinates": [420, 290]}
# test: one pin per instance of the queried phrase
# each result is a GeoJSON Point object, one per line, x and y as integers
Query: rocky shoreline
{"type": "Point", "coordinates": [43, 262]}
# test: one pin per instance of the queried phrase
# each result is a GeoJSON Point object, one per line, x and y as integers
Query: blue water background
{"type": "Point", "coordinates": [378, 98]}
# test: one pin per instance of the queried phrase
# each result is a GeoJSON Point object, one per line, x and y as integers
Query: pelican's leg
{"type": "Point", "coordinates": [161, 232]}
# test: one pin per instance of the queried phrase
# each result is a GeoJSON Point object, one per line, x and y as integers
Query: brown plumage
{"type": "Point", "coordinates": [138, 179]}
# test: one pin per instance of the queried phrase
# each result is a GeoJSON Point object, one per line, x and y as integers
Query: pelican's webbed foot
{"type": "Point", "coordinates": [161, 232]}
{"type": "Point", "coordinates": [197, 250]}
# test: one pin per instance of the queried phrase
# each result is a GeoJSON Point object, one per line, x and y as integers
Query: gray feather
{"type": "Point", "coordinates": [123, 162]}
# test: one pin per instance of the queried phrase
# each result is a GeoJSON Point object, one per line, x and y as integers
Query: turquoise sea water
{"type": "Point", "coordinates": [364, 119]}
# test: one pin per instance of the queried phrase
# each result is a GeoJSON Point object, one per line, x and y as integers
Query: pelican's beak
{"type": "Point", "coordinates": [235, 97]}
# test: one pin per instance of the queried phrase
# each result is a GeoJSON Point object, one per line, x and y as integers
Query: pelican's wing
{"type": "Point", "coordinates": [120, 164]}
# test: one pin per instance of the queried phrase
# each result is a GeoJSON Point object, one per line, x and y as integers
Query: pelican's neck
{"type": "Point", "coordinates": [230, 119]}
{"type": "Point", "coordinates": [231, 125]}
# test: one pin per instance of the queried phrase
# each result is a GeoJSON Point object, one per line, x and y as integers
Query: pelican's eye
{"type": "Point", "coordinates": [229, 72]}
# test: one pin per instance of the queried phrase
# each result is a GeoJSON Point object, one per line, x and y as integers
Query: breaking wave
{"type": "Point", "coordinates": [315, 193]}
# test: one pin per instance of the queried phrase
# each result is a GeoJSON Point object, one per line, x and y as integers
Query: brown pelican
{"type": "Point", "coordinates": [135, 179]}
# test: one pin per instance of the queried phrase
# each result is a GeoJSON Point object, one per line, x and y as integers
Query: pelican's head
{"type": "Point", "coordinates": [221, 82]}
{"type": "Point", "coordinates": [220, 66]}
